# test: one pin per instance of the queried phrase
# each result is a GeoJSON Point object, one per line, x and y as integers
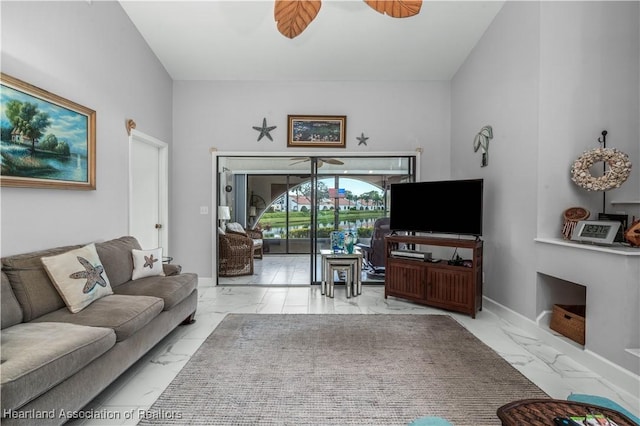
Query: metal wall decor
{"type": "Point", "coordinates": [264, 130]}
{"type": "Point", "coordinates": [481, 141]}
{"type": "Point", "coordinates": [362, 140]}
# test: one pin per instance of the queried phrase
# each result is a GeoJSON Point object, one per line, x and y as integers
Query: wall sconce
{"type": "Point", "coordinates": [224, 214]}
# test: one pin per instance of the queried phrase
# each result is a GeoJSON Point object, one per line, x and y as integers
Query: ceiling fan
{"type": "Point", "coordinates": [293, 16]}
{"type": "Point", "coordinates": [321, 161]}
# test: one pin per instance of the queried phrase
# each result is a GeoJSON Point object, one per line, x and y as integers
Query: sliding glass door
{"type": "Point", "coordinates": [298, 201]}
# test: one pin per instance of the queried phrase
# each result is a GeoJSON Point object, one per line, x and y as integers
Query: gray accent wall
{"type": "Point", "coordinates": [549, 77]}
{"type": "Point", "coordinates": [89, 53]}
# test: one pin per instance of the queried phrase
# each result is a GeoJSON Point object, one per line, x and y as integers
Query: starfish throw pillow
{"type": "Point", "coordinates": [147, 263]}
{"type": "Point", "coordinates": [79, 277]}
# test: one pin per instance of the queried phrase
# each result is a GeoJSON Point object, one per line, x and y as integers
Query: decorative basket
{"type": "Point", "coordinates": [568, 320]}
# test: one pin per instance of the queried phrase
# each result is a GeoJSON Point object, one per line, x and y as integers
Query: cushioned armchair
{"type": "Point", "coordinates": [235, 254]}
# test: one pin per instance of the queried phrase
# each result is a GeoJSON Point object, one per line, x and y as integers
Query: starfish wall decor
{"type": "Point", "coordinates": [264, 130]}
{"type": "Point", "coordinates": [362, 139]}
{"type": "Point", "coordinates": [294, 16]}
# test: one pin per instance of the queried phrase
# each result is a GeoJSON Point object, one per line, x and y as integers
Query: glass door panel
{"type": "Point", "coordinates": [298, 201]}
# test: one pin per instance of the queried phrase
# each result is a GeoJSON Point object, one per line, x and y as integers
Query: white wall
{"type": "Point", "coordinates": [549, 77]}
{"type": "Point", "coordinates": [93, 55]}
{"type": "Point", "coordinates": [589, 83]}
{"type": "Point", "coordinates": [497, 86]}
{"type": "Point", "coordinates": [397, 117]}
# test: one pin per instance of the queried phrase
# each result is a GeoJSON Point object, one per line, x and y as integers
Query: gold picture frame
{"type": "Point", "coordinates": [47, 141]}
{"type": "Point", "coordinates": [317, 131]}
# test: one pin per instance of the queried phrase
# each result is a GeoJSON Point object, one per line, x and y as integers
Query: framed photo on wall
{"type": "Point", "coordinates": [321, 131]}
{"type": "Point", "coordinates": [46, 141]}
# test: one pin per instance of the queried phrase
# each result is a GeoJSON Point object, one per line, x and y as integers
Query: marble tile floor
{"type": "Point", "coordinates": [127, 399]}
{"type": "Point", "coordinates": [287, 270]}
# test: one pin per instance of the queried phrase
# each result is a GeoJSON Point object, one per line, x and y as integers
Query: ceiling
{"type": "Point", "coordinates": [347, 41]}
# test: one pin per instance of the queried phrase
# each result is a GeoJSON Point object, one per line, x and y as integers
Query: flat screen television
{"type": "Point", "coordinates": [443, 207]}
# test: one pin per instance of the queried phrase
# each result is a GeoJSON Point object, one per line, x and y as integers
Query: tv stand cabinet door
{"type": "Point", "coordinates": [451, 289]}
{"type": "Point", "coordinates": [406, 279]}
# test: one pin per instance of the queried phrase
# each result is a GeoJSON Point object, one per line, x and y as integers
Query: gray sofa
{"type": "Point", "coordinates": [54, 362]}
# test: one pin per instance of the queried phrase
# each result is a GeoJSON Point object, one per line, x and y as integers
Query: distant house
{"type": "Point", "coordinates": [297, 202]}
{"type": "Point", "coordinates": [18, 137]}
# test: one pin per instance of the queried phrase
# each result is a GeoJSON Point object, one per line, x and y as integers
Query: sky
{"type": "Point", "coordinates": [67, 125]}
{"type": "Point", "coordinates": [357, 187]}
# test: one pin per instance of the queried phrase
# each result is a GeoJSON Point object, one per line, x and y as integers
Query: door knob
{"type": "Point", "coordinates": [158, 225]}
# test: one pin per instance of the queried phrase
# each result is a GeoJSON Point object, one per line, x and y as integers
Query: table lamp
{"type": "Point", "coordinates": [224, 214]}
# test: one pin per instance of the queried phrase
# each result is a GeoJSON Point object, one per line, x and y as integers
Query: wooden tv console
{"type": "Point", "coordinates": [453, 287]}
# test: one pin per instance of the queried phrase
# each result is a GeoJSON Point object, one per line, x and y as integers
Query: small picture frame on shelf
{"type": "Point", "coordinates": [624, 224]}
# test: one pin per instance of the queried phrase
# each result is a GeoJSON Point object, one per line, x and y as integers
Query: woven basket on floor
{"type": "Point", "coordinates": [568, 320]}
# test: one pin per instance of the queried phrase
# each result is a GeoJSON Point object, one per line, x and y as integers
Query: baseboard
{"type": "Point", "coordinates": [621, 377]}
{"type": "Point", "coordinates": [205, 281]}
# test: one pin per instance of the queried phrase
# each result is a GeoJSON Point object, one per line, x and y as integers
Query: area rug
{"type": "Point", "coordinates": [306, 369]}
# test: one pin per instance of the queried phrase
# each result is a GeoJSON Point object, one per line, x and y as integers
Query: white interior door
{"type": "Point", "coordinates": [148, 194]}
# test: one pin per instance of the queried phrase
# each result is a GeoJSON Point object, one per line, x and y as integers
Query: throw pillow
{"type": "Point", "coordinates": [221, 231]}
{"type": "Point", "coordinates": [146, 263]}
{"type": "Point", "coordinates": [236, 227]}
{"type": "Point", "coordinates": [79, 277]}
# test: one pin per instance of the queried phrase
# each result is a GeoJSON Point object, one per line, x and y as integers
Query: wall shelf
{"type": "Point", "coordinates": [616, 248]}
{"type": "Point", "coordinates": [634, 351]}
{"type": "Point", "coordinates": [625, 202]}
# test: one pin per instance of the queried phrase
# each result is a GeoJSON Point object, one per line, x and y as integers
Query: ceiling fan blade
{"type": "Point", "coordinates": [299, 161]}
{"type": "Point", "coordinates": [333, 161]}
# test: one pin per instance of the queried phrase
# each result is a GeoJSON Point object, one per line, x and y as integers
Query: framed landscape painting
{"type": "Point", "coordinates": [310, 131]}
{"type": "Point", "coordinates": [46, 141]}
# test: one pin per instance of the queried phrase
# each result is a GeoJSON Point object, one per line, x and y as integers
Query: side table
{"type": "Point", "coordinates": [541, 412]}
{"type": "Point", "coordinates": [355, 259]}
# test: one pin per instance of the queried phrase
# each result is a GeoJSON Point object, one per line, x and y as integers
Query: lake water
{"type": "Point", "coordinates": [344, 225]}
{"type": "Point", "coordinates": [72, 169]}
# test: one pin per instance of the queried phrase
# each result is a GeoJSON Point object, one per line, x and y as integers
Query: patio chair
{"type": "Point", "coordinates": [235, 254]}
{"type": "Point", "coordinates": [254, 234]}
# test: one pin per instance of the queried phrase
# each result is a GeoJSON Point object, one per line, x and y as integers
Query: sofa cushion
{"type": "Point", "coordinates": [172, 290]}
{"type": "Point", "coordinates": [124, 314]}
{"type": "Point", "coordinates": [116, 258]}
{"type": "Point", "coordinates": [31, 284]}
{"type": "Point", "coordinates": [10, 310]}
{"type": "Point", "coordinates": [146, 263]}
{"type": "Point", "coordinates": [79, 276]}
{"type": "Point", "coordinates": [37, 356]}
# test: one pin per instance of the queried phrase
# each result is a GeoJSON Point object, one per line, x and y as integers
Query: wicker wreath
{"type": "Point", "coordinates": [618, 172]}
